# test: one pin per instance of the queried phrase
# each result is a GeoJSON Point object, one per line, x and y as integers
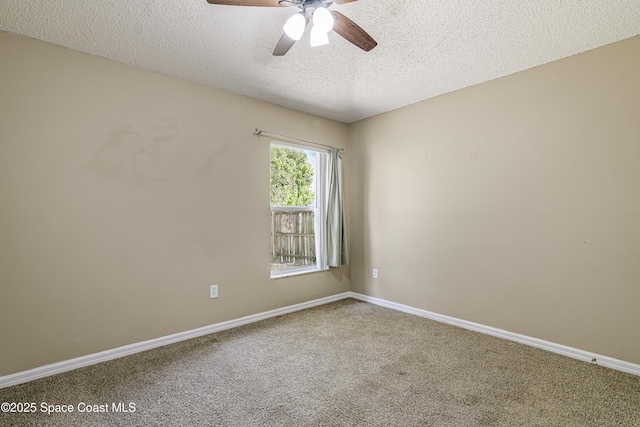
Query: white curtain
{"type": "Point", "coordinates": [336, 226]}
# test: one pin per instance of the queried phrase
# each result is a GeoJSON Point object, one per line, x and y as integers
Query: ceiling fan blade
{"type": "Point", "coordinates": [352, 32]}
{"type": "Point", "coordinates": [266, 3]}
{"type": "Point", "coordinates": [283, 45]}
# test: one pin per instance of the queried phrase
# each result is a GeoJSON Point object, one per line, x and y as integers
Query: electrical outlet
{"type": "Point", "coordinates": [213, 291]}
{"type": "Point", "coordinates": [375, 273]}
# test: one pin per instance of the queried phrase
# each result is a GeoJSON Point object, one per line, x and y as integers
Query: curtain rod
{"type": "Point", "coordinates": [259, 132]}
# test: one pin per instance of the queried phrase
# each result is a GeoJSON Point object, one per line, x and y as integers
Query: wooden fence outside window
{"type": "Point", "coordinates": [292, 237]}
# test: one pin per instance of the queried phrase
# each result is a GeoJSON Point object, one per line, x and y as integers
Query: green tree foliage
{"type": "Point", "coordinates": [291, 177]}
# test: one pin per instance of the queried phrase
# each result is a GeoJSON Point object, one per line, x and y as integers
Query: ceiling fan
{"type": "Point", "coordinates": [323, 22]}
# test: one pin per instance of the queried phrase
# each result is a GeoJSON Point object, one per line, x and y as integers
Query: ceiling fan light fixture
{"type": "Point", "coordinates": [294, 27]}
{"type": "Point", "coordinates": [323, 20]}
{"type": "Point", "coordinates": [318, 37]}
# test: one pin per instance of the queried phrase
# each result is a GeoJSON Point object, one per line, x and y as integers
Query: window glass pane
{"type": "Point", "coordinates": [293, 242]}
{"type": "Point", "coordinates": [293, 209]}
{"type": "Point", "coordinates": [292, 176]}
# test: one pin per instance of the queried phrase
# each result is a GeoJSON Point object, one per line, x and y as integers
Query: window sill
{"type": "Point", "coordinates": [296, 272]}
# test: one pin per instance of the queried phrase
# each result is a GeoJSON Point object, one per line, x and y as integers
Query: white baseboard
{"type": "Point", "coordinates": [609, 362]}
{"type": "Point", "coordinates": [103, 356]}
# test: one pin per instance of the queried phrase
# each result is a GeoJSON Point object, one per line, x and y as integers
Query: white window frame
{"type": "Point", "coordinates": [319, 208]}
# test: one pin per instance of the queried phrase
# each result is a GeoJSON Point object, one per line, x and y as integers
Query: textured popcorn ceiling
{"type": "Point", "coordinates": [425, 47]}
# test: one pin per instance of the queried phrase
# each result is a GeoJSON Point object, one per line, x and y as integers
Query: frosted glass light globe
{"type": "Point", "coordinates": [322, 20]}
{"type": "Point", "coordinates": [294, 27]}
{"type": "Point", "coordinates": [318, 37]}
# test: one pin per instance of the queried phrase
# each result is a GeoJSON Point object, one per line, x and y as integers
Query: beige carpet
{"type": "Point", "coordinates": [347, 363]}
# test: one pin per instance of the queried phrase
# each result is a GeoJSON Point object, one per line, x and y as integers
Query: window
{"type": "Point", "coordinates": [298, 209]}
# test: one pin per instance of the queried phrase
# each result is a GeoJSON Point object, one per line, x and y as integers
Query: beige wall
{"type": "Point", "coordinates": [514, 203]}
{"type": "Point", "coordinates": [96, 253]}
